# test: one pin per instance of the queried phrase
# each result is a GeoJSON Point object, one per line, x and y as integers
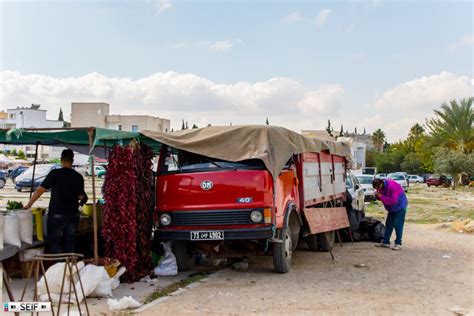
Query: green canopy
{"type": "Point", "coordinates": [76, 138]}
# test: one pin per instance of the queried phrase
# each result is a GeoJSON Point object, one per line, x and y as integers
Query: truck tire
{"type": "Point", "coordinates": [312, 241]}
{"type": "Point", "coordinates": [282, 251]}
{"type": "Point", "coordinates": [184, 255]}
{"type": "Point", "coordinates": [326, 240]}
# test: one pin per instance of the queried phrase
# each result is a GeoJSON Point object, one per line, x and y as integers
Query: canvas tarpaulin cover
{"type": "Point", "coordinates": [271, 144]}
{"type": "Point", "coordinates": [75, 138]}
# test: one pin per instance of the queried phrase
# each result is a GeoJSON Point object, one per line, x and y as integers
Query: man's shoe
{"type": "Point", "coordinates": [382, 245]}
{"type": "Point", "coordinates": [397, 247]}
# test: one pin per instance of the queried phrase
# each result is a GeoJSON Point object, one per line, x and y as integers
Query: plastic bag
{"type": "Point", "coordinates": [25, 220]}
{"type": "Point", "coordinates": [54, 276]}
{"type": "Point", "coordinates": [168, 265]}
{"type": "Point", "coordinates": [355, 216]}
{"type": "Point", "coordinates": [11, 230]}
{"type": "Point", "coordinates": [104, 289]}
{"type": "Point", "coordinates": [125, 302]}
{"type": "Point", "coordinates": [379, 232]}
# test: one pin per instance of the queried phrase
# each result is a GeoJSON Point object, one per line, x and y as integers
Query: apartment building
{"type": "Point", "coordinates": [97, 114]}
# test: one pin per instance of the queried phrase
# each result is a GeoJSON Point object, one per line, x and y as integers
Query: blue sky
{"type": "Point", "coordinates": [367, 48]}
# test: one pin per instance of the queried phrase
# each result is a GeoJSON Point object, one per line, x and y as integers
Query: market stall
{"type": "Point", "coordinates": [96, 142]}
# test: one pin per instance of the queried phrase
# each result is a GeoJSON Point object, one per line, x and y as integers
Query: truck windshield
{"type": "Point", "coordinates": [180, 161]}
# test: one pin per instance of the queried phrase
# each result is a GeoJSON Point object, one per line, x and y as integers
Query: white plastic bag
{"type": "Point", "coordinates": [25, 220]}
{"type": "Point", "coordinates": [125, 302]}
{"type": "Point", "coordinates": [1, 232]}
{"type": "Point", "coordinates": [11, 230]}
{"type": "Point", "coordinates": [54, 276]}
{"type": "Point", "coordinates": [104, 289]}
{"type": "Point", "coordinates": [90, 278]}
{"type": "Point", "coordinates": [29, 254]}
{"type": "Point", "coordinates": [168, 266]}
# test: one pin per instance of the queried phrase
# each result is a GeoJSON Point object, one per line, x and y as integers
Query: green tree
{"type": "Point", "coordinates": [329, 128]}
{"type": "Point", "coordinates": [370, 158]}
{"type": "Point", "coordinates": [412, 164]}
{"type": "Point", "coordinates": [61, 115]}
{"type": "Point", "coordinates": [194, 126]}
{"type": "Point", "coordinates": [267, 121]}
{"type": "Point", "coordinates": [341, 133]}
{"type": "Point", "coordinates": [14, 153]}
{"type": "Point", "coordinates": [186, 126]}
{"type": "Point", "coordinates": [21, 154]}
{"type": "Point", "coordinates": [452, 125]}
{"type": "Point", "coordinates": [183, 127]}
{"type": "Point", "coordinates": [453, 162]}
{"type": "Point", "coordinates": [378, 138]}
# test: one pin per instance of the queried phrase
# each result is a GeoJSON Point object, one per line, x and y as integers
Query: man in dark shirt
{"type": "Point", "coordinates": [67, 191]}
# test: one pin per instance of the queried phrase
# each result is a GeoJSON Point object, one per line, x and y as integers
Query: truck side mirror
{"type": "Point", "coordinates": [357, 187]}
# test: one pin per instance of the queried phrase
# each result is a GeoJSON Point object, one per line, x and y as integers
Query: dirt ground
{"type": "Point", "coordinates": [414, 281]}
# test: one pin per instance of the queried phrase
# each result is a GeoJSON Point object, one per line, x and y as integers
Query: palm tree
{"type": "Point", "coordinates": [452, 125]}
{"type": "Point", "coordinates": [378, 137]}
{"type": "Point", "coordinates": [416, 131]}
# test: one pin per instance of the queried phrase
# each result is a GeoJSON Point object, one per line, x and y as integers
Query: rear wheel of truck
{"type": "Point", "coordinates": [282, 251]}
{"type": "Point", "coordinates": [183, 252]}
{"type": "Point", "coordinates": [312, 241]}
{"type": "Point", "coordinates": [326, 240]}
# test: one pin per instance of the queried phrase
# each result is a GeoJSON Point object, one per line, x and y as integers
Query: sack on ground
{"type": "Point", "coordinates": [54, 277]}
{"type": "Point", "coordinates": [104, 289]}
{"type": "Point", "coordinates": [168, 265]}
{"type": "Point", "coordinates": [125, 302]}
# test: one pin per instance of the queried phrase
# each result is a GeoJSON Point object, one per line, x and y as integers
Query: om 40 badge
{"type": "Point", "coordinates": [244, 200]}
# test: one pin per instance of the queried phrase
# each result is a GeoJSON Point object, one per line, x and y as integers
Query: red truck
{"type": "Point", "coordinates": [248, 190]}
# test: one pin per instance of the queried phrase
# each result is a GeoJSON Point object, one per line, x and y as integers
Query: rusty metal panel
{"type": "Point", "coordinates": [322, 220]}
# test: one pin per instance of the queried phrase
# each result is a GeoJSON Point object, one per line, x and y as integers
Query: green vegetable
{"type": "Point", "coordinates": [14, 205]}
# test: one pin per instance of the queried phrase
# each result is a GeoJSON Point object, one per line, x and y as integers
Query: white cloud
{"type": "Point", "coordinates": [322, 17]}
{"type": "Point", "coordinates": [411, 102]}
{"type": "Point", "coordinates": [218, 46]}
{"type": "Point", "coordinates": [466, 41]}
{"type": "Point", "coordinates": [221, 46]}
{"type": "Point", "coordinates": [162, 6]}
{"type": "Point", "coordinates": [285, 101]}
{"type": "Point", "coordinates": [294, 17]}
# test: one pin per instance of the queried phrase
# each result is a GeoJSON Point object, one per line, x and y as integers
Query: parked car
{"type": "Point", "coordinates": [23, 181]}
{"type": "Point", "coordinates": [13, 174]}
{"type": "Point", "coordinates": [412, 178]}
{"type": "Point", "coordinates": [438, 180]}
{"type": "Point", "coordinates": [356, 191]}
{"type": "Point", "coordinates": [382, 176]}
{"type": "Point", "coordinates": [98, 170]}
{"type": "Point", "coordinates": [365, 181]}
{"type": "Point", "coordinates": [3, 178]}
{"type": "Point", "coordinates": [400, 179]}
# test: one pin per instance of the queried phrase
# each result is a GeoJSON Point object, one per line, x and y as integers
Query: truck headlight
{"type": "Point", "coordinates": [165, 219]}
{"type": "Point", "coordinates": [256, 216]}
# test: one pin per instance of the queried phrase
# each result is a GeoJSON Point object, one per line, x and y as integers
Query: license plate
{"type": "Point", "coordinates": [208, 235]}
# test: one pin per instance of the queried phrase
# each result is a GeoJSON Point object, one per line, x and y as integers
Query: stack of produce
{"type": "Point", "coordinates": [120, 225]}
{"type": "Point", "coordinates": [127, 211]}
{"type": "Point", "coordinates": [143, 157]}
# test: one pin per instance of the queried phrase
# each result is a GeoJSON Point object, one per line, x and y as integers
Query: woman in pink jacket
{"type": "Point", "coordinates": [393, 197]}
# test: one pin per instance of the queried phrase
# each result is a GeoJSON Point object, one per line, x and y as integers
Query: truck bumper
{"type": "Point", "coordinates": [229, 234]}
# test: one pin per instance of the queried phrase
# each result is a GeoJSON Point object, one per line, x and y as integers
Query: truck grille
{"type": "Point", "coordinates": [210, 218]}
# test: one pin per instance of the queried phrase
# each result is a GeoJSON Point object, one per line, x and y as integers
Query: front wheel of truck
{"type": "Point", "coordinates": [183, 252]}
{"type": "Point", "coordinates": [282, 251]}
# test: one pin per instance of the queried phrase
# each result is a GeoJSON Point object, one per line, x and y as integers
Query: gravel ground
{"type": "Point", "coordinates": [414, 281]}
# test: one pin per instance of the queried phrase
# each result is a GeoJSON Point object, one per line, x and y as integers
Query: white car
{"type": "Point", "coordinates": [356, 191]}
{"type": "Point", "coordinates": [415, 179]}
{"type": "Point", "coordinates": [400, 179]}
{"type": "Point", "coordinates": [365, 181]}
{"type": "Point", "coordinates": [382, 176]}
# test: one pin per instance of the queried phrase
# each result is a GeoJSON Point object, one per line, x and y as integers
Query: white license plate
{"type": "Point", "coordinates": [208, 235]}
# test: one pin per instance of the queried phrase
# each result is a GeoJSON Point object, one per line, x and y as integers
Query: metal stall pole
{"type": "Point", "coordinates": [34, 169]}
{"type": "Point", "coordinates": [90, 132]}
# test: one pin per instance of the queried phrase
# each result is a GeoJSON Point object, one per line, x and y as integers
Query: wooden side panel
{"type": "Point", "coordinates": [322, 220]}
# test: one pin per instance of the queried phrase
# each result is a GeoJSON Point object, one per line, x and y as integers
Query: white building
{"type": "Point", "coordinates": [30, 117]}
